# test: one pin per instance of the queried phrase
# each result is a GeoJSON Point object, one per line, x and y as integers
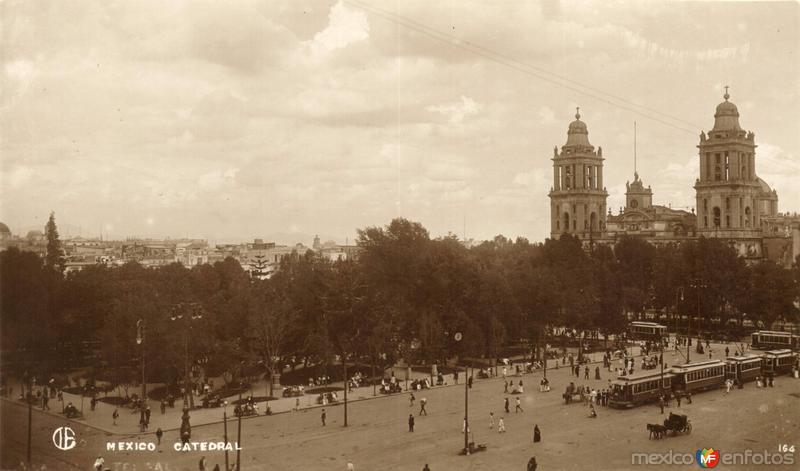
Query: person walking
{"type": "Point", "coordinates": [501, 425]}
{"type": "Point", "coordinates": [350, 466]}
{"type": "Point", "coordinates": [505, 387]}
{"type": "Point", "coordinates": [491, 420]}
{"type": "Point", "coordinates": [411, 400]}
{"type": "Point", "coordinates": [159, 434]}
{"type": "Point", "coordinates": [323, 416]}
{"type": "Point", "coordinates": [678, 399]}
{"type": "Point", "coordinates": [532, 464]}
{"type": "Point", "coordinates": [147, 416]}
{"type": "Point", "coordinates": [201, 466]}
{"type": "Point", "coordinates": [455, 377]}
{"type": "Point", "coordinates": [98, 463]}
{"type": "Point", "coordinates": [518, 407]}
{"type": "Point", "coordinates": [93, 403]}
{"type": "Point", "coordinates": [426, 468]}
{"type": "Point", "coordinates": [661, 403]}
{"type": "Point", "coordinates": [586, 372]}
{"type": "Point", "coordinates": [469, 382]}
{"type": "Point", "coordinates": [596, 372]}
{"type": "Point", "coordinates": [727, 350]}
{"type": "Point", "coordinates": [464, 427]}
{"type": "Point", "coordinates": [422, 403]}
{"type": "Point", "coordinates": [115, 416]}
{"type": "Point", "coordinates": [163, 406]}
{"type": "Point", "coordinates": [410, 422]}
{"type": "Point", "coordinates": [506, 406]}
{"type": "Point", "coordinates": [537, 434]}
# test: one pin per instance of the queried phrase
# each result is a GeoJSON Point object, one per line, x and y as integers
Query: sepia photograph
{"type": "Point", "coordinates": [362, 235]}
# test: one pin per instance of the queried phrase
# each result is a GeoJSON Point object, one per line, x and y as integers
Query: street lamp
{"type": "Point", "coordinates": [140, 341]}
{"type": "Point", "coordinates": [458, 338]}
{"type": "Point", "coordinates": [225, 431]}
{"type": "Point", "coordinates": [697, 284]}
{"type": "Point", "coordinates": [177, 315]}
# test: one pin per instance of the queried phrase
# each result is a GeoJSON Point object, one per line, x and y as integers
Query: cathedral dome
{"type": "Point", "coordinates": [4, 230]}
{"type": "Point", "coordinates": [578, 135]}
{"type": "Point", "coordinates": [727, 116]}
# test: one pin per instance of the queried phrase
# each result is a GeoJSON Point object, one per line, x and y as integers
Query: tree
{"type": "Point", "coordinates": [270, 317]}
{"type": "Point", "coordinates": [54, 258]}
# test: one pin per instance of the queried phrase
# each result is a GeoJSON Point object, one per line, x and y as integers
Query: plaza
{"type": "Point", "coordinates": [377, 436]}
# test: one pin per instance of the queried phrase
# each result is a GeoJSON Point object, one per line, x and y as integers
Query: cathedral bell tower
{"type": "Point", "coordinates": [577, 198]}
{"type": "Point", "coordinates": [728, 188]}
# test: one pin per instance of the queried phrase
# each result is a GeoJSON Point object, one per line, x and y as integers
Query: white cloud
{"type": "Point", "coordinates": [456, 112]}
{"type": "Point", "coordinates": [345, 27]}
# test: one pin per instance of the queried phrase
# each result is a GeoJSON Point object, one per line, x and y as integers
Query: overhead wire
{"type": "Point", "coordinates": [526, 68]}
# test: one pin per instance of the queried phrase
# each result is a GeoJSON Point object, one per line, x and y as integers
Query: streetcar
{"type": "Point", "coordinates": [638, 330]}
{"type": "Point", "coordinates": [778, 361]}
{"type": "Point", "coordinates": [769, 339]}
{"type": "Point", "coordinates": [743, 368]}
{"type": "Point", "coordinates": [639, 388]}
{"type": "Point", "coordinates": [698, 376]}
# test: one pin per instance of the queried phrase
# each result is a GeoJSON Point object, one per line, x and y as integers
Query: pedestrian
{"type": "Point", "coordinates": [350, 466]}
{"type": "Point", "coordinates": [216, 467]}
{"type": "Point", "coordinates": [506, 406]}
{"type": "Point", "coordinates": [596, 372]}
{"type": "Point", "coordinates": [147, 415]}
{"type": "Point", "coordinates": [726, 351]}
{"type": "Point", "coordinates": [163, 406]}
{"type": "Point", "coordinates": [518, 408]}
{"type": "Point", "coordinates": [501, 426]}
{"type": "Point", "coordinates": [115, 416]}
{"type": "Point", "coordinates": [455, 377]}
{"type": "Point", "coordinates": [505, 371]}
{"type": "Point", "coordinates": [201, 466]}
{"type": "Point", "coordinates": [678, 399]}
{"type": "Point", "coordinates": [159, 434]}
{"type": "Point", "coordinates": [297, 404]}
{"type": "Point", "coordinates": [532, 464]}
{"type": "Point", "coordinates": [98, 463]}
{"type": "Point", "coordinates": [661, 403]}
{"type": "Point", "coordinates": [491, 420]}
{"type": "Point", "coordinates": [586, 372]}
{"type": "Point", "coordinates": [411, 400]}
{"type": "Point", "coordinates": [469, 381]}
{"type": "Point", "coordinates": [323, 416]}
{"type": "Point", "coordinates": [464, 427]}
{"type": "Point", "coordinates": [426, 468]}
{"type": "Point", "coordinates": [422, 403]}
{"type": "Point", "coordinates": [505, 387]}
{"type": "Point", "coordinates": [93, 403]}
{"type": "Point", "coordinates": [410, 422]}
{"type": "Point", "coordinates": [537, 434]}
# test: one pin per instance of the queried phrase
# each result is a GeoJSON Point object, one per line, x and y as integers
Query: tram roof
{"type": "Point", "coordinates": [781, 352]}
{"type": "Point", "coordinates": [641, 377]}
{"type": "Point", "coordinates": [648, 324]}
{"type": "Point", "coordinates": [700, 365]}
{"type": "Point", "coordinates": [744, 358]}
{"type": "Point", "coordinates": [773, 332]}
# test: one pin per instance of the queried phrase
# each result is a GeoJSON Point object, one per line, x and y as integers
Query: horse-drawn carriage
{"type": "Point", "coordinates": [676, 423]}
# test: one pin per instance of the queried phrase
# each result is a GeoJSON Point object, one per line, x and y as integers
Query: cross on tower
{"type": "Point", "coordinates": [577, 112]}
{"type": "Point", "coordinates": [726, 93]}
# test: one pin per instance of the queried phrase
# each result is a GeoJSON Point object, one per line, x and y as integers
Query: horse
{"type": "Point", "coordinates": [656, 430]}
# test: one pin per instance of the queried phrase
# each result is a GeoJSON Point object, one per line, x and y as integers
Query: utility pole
{"type": "Point", "coordinates": [239, 431]}
{"type": "Point", "coordinates": [225, 432]}
{"type": "Point", "coordinates": [28, 397]}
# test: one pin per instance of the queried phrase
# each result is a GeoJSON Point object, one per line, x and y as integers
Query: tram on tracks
{"type": "Point", "coordinates": [776, 362]}
{"type": "Point", "coordinates": [743, 368]}
{"type": "Point", "coordinates": [700, 376]}
{"type": "Point", "coordinates": [638, 330]}
{"type": "Point", "coordinates": [636, 389]}
{"type": "Point", "coordinates": [769, 339]}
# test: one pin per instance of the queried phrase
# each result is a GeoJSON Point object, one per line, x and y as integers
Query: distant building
{"type": "Point", "coordinates": [733, 203]}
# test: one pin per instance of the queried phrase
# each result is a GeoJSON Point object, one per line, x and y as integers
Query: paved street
{"type": "Point", "coordinates": [377, 437]}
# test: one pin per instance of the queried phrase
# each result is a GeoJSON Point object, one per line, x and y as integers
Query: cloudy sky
{"type": "Point", "coordinates": [243, 119]}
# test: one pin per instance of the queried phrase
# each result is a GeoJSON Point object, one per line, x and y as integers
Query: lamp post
{"type": "Point", "coordinates": [697, 284]}
{"type": "Point", "coordinates": [140, 341]}
{"type": "Point", "coordinates": [177, 315]}
{"type": "Point", "coordinates": [458, 338]}
{"type": "Point", "coordinates": [225, 431]}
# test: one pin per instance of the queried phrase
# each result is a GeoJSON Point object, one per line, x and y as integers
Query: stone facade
{"type": "Point", "coordinates": [733, 203]}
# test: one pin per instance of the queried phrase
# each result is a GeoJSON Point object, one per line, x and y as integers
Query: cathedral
{"type": "Point", "coordinates": [732, 202]}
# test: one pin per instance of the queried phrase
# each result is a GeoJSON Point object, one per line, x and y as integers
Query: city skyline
{"type": "Point", "coordinates": [334, 116]}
